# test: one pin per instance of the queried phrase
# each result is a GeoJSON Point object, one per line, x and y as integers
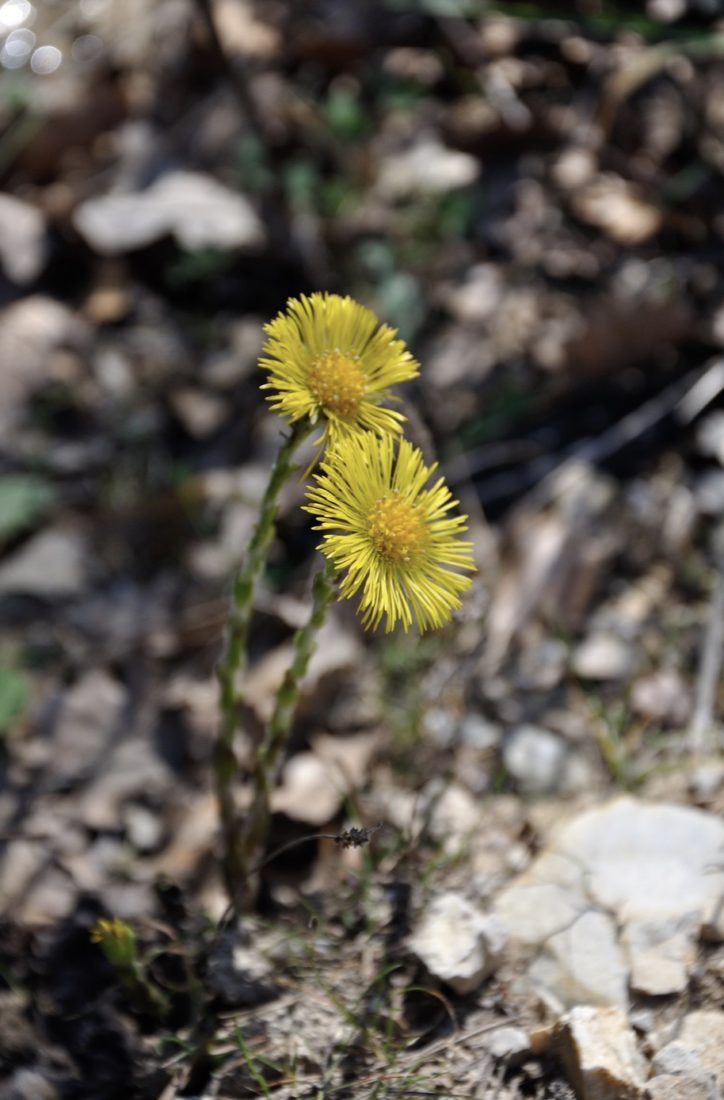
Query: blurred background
{"type": "Point", "coordinates": [532, 193]}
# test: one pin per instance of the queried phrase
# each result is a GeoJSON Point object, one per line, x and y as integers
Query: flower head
{"type": "Point", "coordinates": [391, 534]}
{"type": "Point", "coordinates": [117, 940]}
{"type": "Point", "coordinates": [329, 357]}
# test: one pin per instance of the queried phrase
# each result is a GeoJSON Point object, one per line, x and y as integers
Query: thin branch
{"type": "Point", "coordinates": [700, 737]}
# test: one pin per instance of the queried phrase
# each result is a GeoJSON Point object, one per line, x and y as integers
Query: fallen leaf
{"type": "Point", "coordinates": [428, 168]}
{"type": "Point", "coordinates": [52, 565]}
{"type": "Point", "coordinates": [613, 205]}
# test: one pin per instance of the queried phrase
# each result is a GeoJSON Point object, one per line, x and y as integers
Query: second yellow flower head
{"type": "Point", "coordinates": [331, 360]}
{"type": "Point", "coordinates": [390, 532]}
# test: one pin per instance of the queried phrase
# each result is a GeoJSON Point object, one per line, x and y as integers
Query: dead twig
{"type": "Point", "coordinates": [234, 75]}
{"type": "Point", "coordinates": [682, 401]}
{"type": "Point", "coordinates": [355, 837]}
{"type": "Point", "coordinates": [700, 736]}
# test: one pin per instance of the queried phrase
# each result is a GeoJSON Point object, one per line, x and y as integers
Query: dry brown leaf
{"type": "Point", "coordinates": [554, 561]}
{"type": "Point", "coordinates": [614, 205]}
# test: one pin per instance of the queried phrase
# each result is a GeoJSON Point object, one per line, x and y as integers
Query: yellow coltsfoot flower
{"type": "Point", "coordinates": [391, 534]}
{"type": "Point", "coordinates": [117, 939]}
{"type": "Point", "coordinates": [330, 359]}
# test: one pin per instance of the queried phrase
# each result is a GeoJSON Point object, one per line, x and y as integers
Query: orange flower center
{"type": "Point", "coordinates": [336, 382]}
{"type": "Point", "coordinates": [396, 529]}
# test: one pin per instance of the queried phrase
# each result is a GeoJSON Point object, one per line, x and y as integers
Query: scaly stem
{"type": "Point", "coordinates": [276, 736]}
{"type": "Point", "coordinates": [233, 660]}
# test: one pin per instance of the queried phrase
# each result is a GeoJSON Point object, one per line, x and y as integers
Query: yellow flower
{"type": "Point", "coordinates": [117, 939]}
{"type": "Point", "coordinates": [329, 357]}
{"type": "Point", "coordinates": [392, 535]}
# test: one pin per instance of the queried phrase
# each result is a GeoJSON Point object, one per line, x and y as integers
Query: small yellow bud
{"type": "Point", "coordinates": [117, 940]}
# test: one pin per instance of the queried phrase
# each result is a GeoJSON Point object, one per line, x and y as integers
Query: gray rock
{"type": "Point", "coordinates": [663, 696]}
{"type": "Point", "coordinates": [598, 1051]}
{"type": "Point", "coordinates": [508, 1044]}
{"type": "Point", "coordinates": [440, 726]}
{"type": "Point", "coordinates": [710, 492]}
{"type": "Point", "coordinates": [131, 770]}
{"type": "Point", "coordinates": [28, 1084]}
{"type": "Point", "coordinates": [604, 657]}
{"type": "Point", "coordinates": [23, 239]}
{"type": "Point", "coordinates": [52, 565]}
{"type": "Point", "coordinates": [642, 1019]}
{"type": "Point", "coordinates": [542, 666]}
{"type": "Point", "coordinates": [661, 954]}
{"type": "Point", "coordinates": [583, 963]}
{"type": "Point", "coordinates": [669, 1086]}
{"type": "Point", "coordinates": [457, 943]}
{"type": "Point", "coordinates": [706, 780]}
{"type": "Point", "coordinates": [198, 210]}
{"type": "Point", "coordinates": [144, 828]}
{"type": "Point", "coordinates": [32, 331]}
{"type": "Point", "coordinates": [454, 815]}
{"type": "Point", "coordinates": [89, 721]}
{"type": "Point", "coordinates": [478, 733]}
{"type": "Point", "coordinates": [426, 168]}
{"type": "Point", "coordinates": [534, 758]}
{"type": "Point", "coordinates": [703, 1032]}
{"type": "Point", "coordinates": [676, 1058]}
{"type": "Point", "coordinates": [237, 971]}
{"type": "Point", "coordinates": [655, 871]}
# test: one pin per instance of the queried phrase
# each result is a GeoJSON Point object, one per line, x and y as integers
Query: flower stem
{"type": "Point", "coordinates": [276, 736]}
{"type": "Point", "coordinates": [233, 659]}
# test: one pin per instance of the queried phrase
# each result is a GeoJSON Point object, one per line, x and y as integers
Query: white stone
{"type": "Point", "coordinates": [583, 964]}
{"type": "Point", "coordinates": [547, 898]}
{"type": "Point", "coordinates": [310, 790]}
{"type": "Point", "coordinates": [663, 696]}
{"type": "Point", "coordinates": [198, 210]}
{"type": "Point", "coordinates": [51, 565]}
{"type": "Point", "coordinates": [709, 492]}
{"type": "Point", "coordinates": [598, 1052]}
{"type": "Point", "coordinates": [648, 861]}
{"type": "Point", "coordinates": [29, 1084]}
{"type": "Point", "coordinates": [703, 1032]}
{"type": "Point", "coordinates": [144, 828]}
{"type": "Point", "coordinates": [507, 1043]}
{"type": "Point", "coordinates": [88, 722]}
{"type": "Point", "coordinates": [603, 657]}
{"type": "Point", "coordinates": [666, 10]}
{"type": "Point", "coordinates": [706, 780]}
{"type": "Point", "coordinates": [677, 1058]}
{"type": "Point", "coordinates": [454, 815]}
{"type": "Point", "coordinates": [661, 954]}
{"type": "Point", "coordinates": [534, 758]}
{"type": "Point", "coordinates": [655, 871]}
{"type": "Point", "coordinates": [669, 1086]}
{"type": "Point", "coordinates": [457, 943]}
{"type": "Point", "coordinates": [479, 733]}
{"type": "Point", "coordinates": [23, 243]}
{"type": "Point", "coordinates": [427, 168]}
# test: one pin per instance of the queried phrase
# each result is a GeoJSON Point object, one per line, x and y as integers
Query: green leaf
{"type": "Point", "coordinates": [302, 184]}
{"type": "Point", "coordinates": [23, 499]}
{"type": "Point", "coordinates": [13, 697]}
{"type": "Point", "coordinates": [346, 116]}
{"type": "Point", "coordinates": [402, 304]}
